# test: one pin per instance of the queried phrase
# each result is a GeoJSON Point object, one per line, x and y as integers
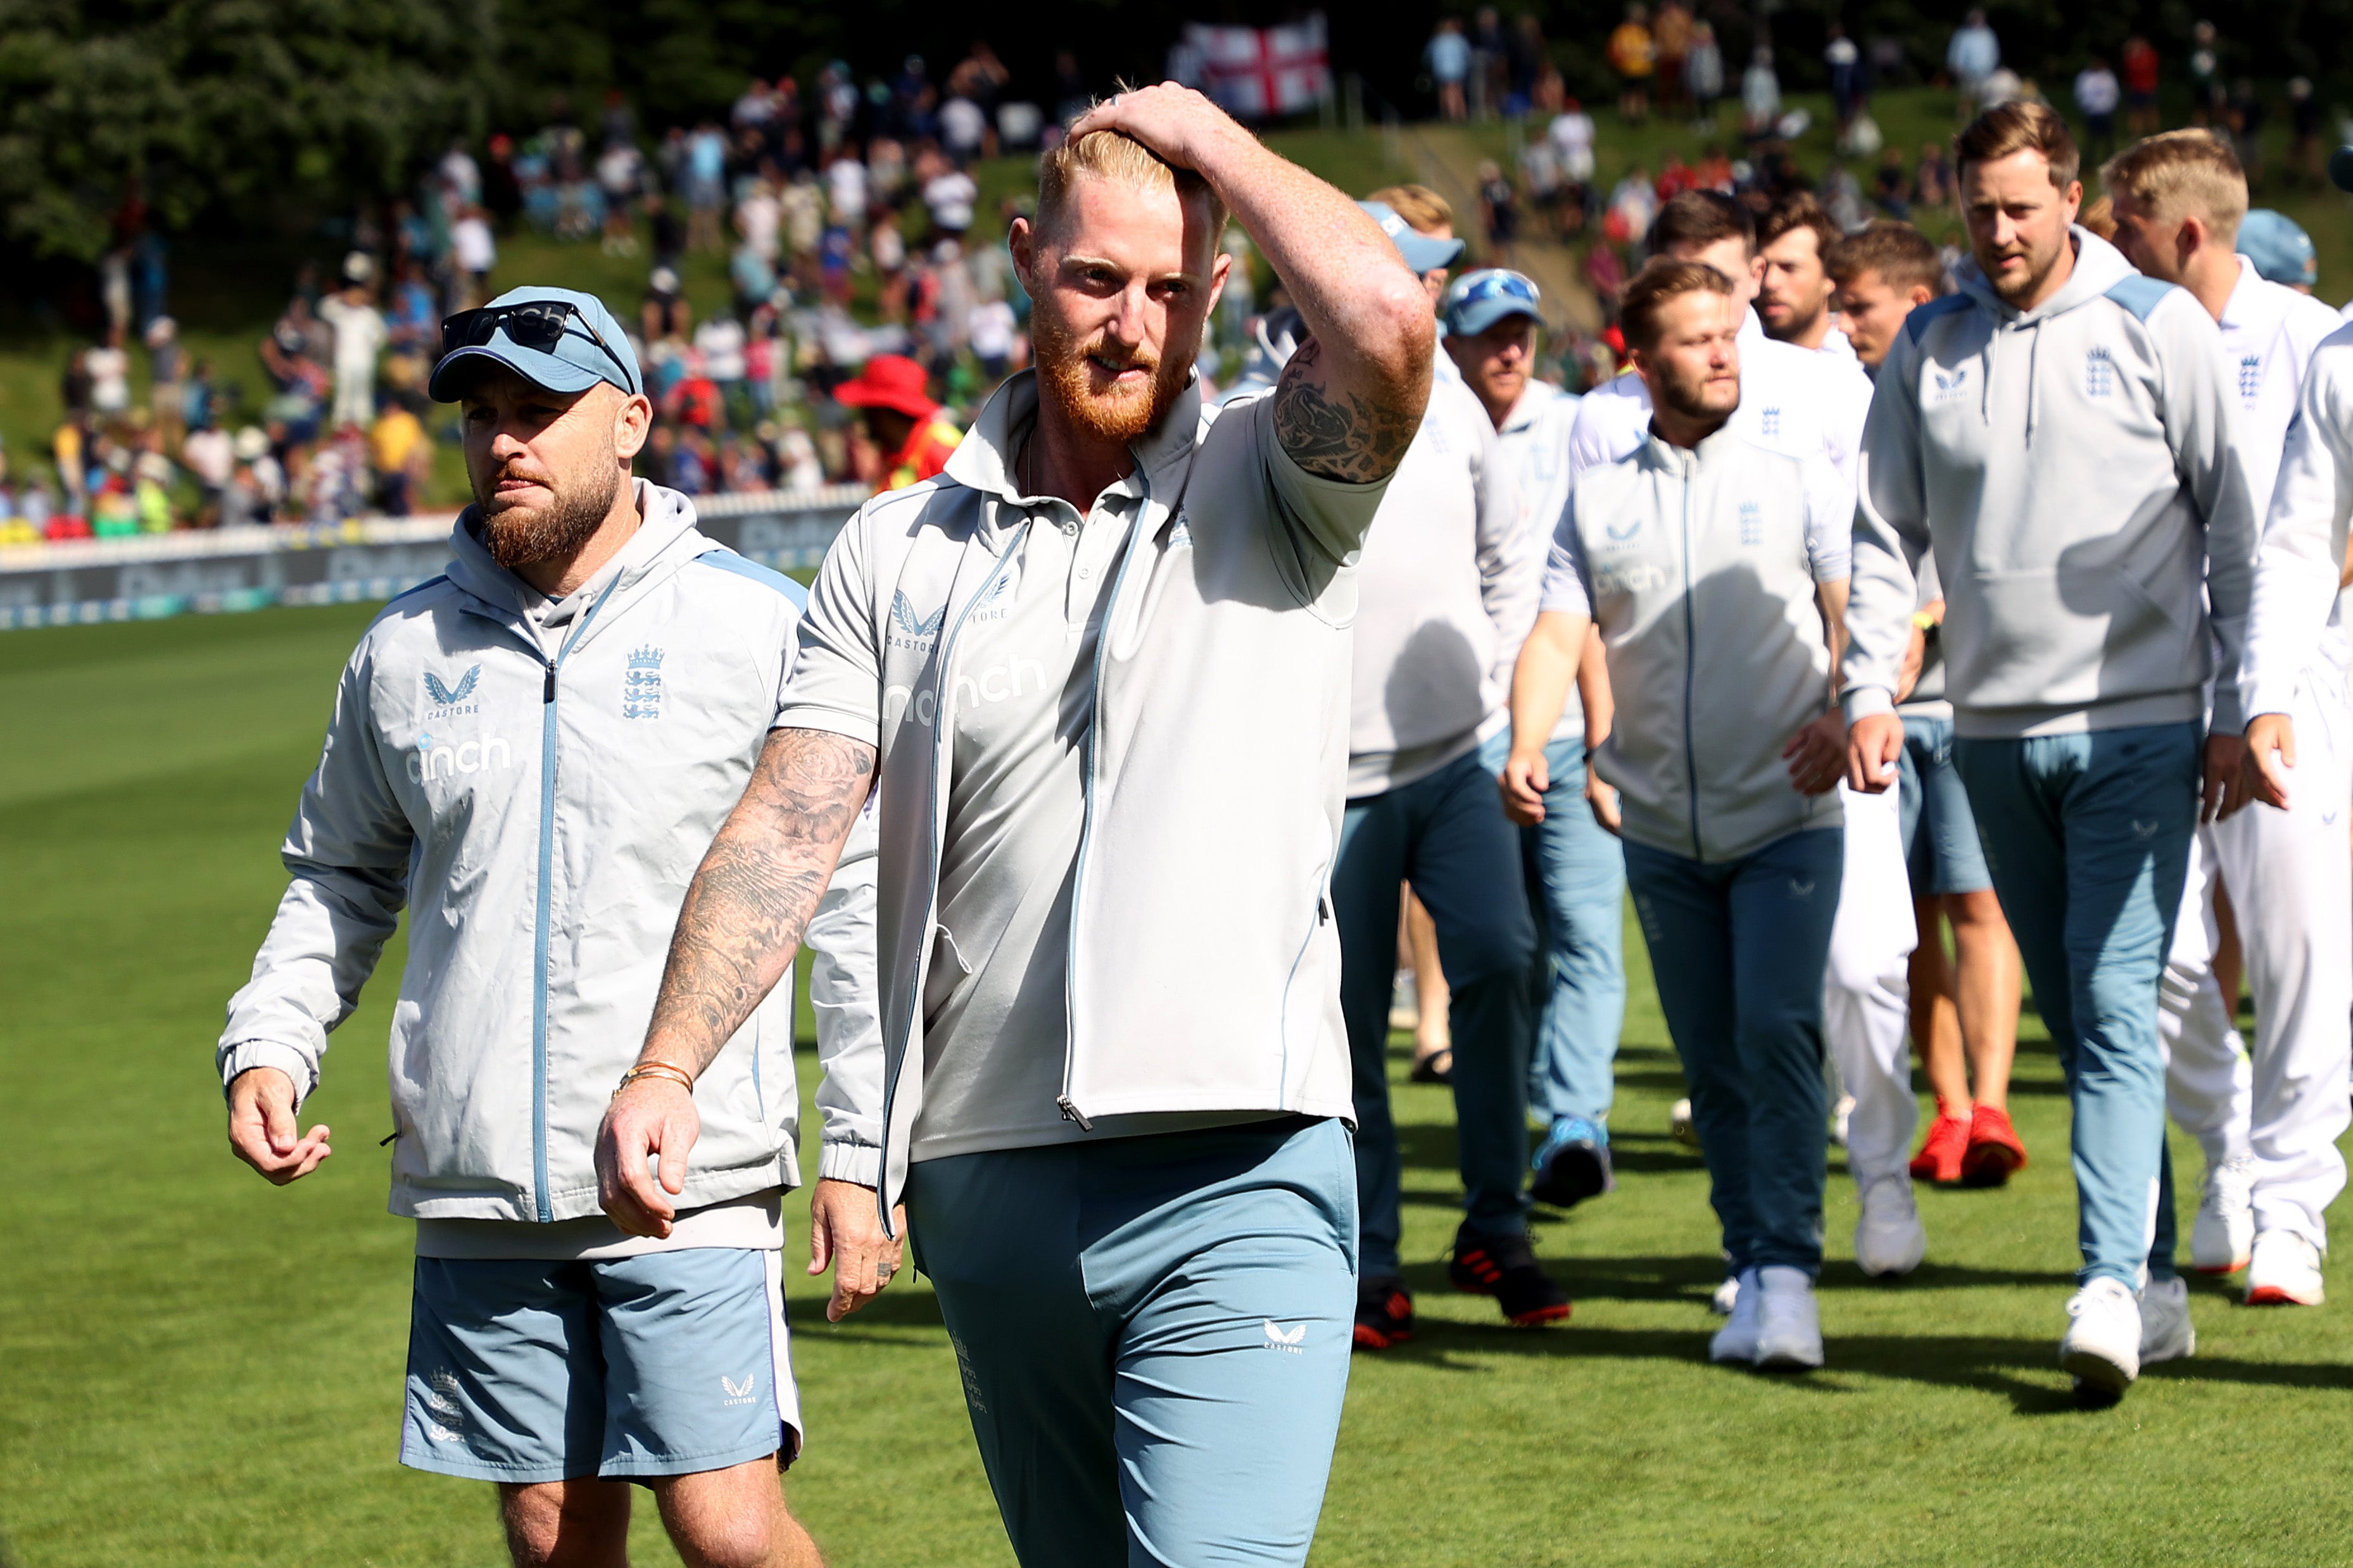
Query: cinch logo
{"type": "Point", "coordinates": [908, 630]}
{"type": "Point", "coordinates": [442, 701]}
{"type": "Point", "coordinates": [1751, 524]}
{"type": "Point", "coordinates": [1634, 577]}
{"type": "Point", "coordinates": [2099, 373]}
{"type": "Point", "coordinates": [431, 761]}
{"type": "Point", "coordinates": [997, 683]}
{"type": "Point", "coordinates": [2250, 378]}
{"type": "Point", "coordinates": [641, 685]}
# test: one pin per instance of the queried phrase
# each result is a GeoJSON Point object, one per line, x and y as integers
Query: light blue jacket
{"type": "Point", "coordinates": [542, 816]}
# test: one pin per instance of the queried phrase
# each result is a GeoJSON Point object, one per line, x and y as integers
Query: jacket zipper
{"type": "Point", "coordinates": [1071, 1112]}
{"type": "Point", "coordinates": [947, 691]}
{"type": "Point", "coordinates": [543, 1203]}
{"type": "Point", "coordinates": [1691, 658]}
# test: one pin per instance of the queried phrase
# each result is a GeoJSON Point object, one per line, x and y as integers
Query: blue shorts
{"type": "Point", "coordinates": [664, 1364]}
{"type": "Point", "coordinates": [1940, 836]}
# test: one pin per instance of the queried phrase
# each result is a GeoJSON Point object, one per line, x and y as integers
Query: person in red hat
{"type": "Point", "coordinates": [889, 394]}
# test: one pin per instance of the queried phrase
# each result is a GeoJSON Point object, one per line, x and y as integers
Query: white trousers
{"type": "Point", "coordinates": [1866, 991]}
{"type": "Point", "coordinates": [2290, 876]}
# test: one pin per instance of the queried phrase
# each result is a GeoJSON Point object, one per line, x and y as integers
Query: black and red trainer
{"type": "Point", "coordinates": [1504, 1267]}
{"type": "Point", "coordinates": [1384, 1313]}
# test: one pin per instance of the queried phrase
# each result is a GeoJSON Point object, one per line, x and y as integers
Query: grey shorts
{"type": "Point", "coordinates": [664, 1364]}
{"type": "Point", "coordinates": [1940, 836]}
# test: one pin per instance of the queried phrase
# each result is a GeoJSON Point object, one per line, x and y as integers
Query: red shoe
{"type": "Point", "coordinates": [1939, 1159]}
{"type": "Point", "coordinates": [1994, 1152]}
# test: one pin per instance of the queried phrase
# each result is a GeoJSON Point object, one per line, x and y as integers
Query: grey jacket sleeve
{"type": "Point", "coordinates": [348, 851]}
{"type": "Point", "coordinates": [845, 993]}
{"type": "Point", "coordinates": [1511, 568]}
{"type": "Point", "coordinates": [2302, 556]}
{"type": "Point", "coordinates": [1890, 536]}
{"type": "Point", "coordinates": [2202, 415]}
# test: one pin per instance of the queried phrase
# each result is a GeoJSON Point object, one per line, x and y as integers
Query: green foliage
{"type": "Point", "coordinates": [237, 109]}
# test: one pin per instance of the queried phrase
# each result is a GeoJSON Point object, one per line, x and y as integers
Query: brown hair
{"type": "Point", "coordinates": [2182, 174]}
{"type": "Point", "coordinates": [1794, 212]}
{"type": "Point", "coordinates": [2099, 218]}
{"type": "Point", "coordinates": [1118, 157]}
{"type": "Point", "coordinates": [1903, 258]}
{"type": "Point", "coordinates": [1660, 282]}
{"type": "Point", "coordinates": [1697, 219]}
{"type": "Point", "coordinates": [1422, 208]}
{"type": "Point", "coordinates": [2019, 126]}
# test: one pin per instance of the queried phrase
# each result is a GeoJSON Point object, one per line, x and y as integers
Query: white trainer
{"type": "Point", "coordinates": [1727, 1297]}
{"type": "Point", "coordinates": [1679, 1126]}
{"type": "Point", "coordinates": [2285, 1271]}
{"type": "Point", "coordinates": [1789, 1320]}
{"type": "Point", "coordinates": [1889, 1238]}
{"type": "Point", "coordinates": [2166, 1330]}
{"type": "Point", "coordinates": [1841, 1116]}
{"type": "Point", "coordinates": [1736, 1341]}
{"type": "Point", "coordinates": [2225, 1229]}
{"type": "Point", "coordinates": [2102, 1348]}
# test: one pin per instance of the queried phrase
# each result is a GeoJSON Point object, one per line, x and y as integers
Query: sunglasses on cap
{"type": "Point", "coordinates": [537, 324]}
{"type": "Point", "coordinates": [1492, 283]}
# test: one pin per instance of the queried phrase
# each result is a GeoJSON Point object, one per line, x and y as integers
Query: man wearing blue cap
{"type": "Point", "coordinates": [1577, 873]}
{"type": "Point", "coordinates": [533, 751]}
{"type": "Point", "coordinates": [1447, 591]}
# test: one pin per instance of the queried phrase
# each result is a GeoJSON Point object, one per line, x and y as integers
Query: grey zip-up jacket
{"type": "Point", "coordinates": [1701, 568]}
{"type": "Point", "coordinates": [542, 817]}
{"type": "Point", "coordinates": [1203, 973]}
{"type": "Point", "coordinates": [2073, 469]}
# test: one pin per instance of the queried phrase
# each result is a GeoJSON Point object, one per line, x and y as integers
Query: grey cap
{"type": "Point", "coordinates": [591, 348]}
{"type": "Point", "coordinates": [1422, 252]}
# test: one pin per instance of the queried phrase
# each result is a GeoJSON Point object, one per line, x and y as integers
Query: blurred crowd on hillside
{"type": "Point", "coordinates": [871, 303]}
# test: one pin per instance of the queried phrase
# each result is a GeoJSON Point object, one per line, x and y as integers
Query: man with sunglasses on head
{"type": "Point", "coordinates": [1575, 871]}
{"type": "Point", "coordinates": [534, 750]}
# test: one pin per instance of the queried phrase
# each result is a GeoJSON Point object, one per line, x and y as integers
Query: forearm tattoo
{"type": "Point", "coordinates": [1357, 440]}
{"type": "Point", "coordinates": [755, 890]}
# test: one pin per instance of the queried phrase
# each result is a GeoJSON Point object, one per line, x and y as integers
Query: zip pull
{"type": "Point", "coordinates": [549, 694]}
{"type": "Point", "coordinates": [1072, 1113]}
{"type": "Point", "coordinates": [1323, 909]}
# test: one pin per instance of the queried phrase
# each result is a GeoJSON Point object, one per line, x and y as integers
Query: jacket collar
{"type": "Point", "coordinates": [662, 543]}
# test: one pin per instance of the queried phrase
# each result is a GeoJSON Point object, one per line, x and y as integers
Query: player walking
{"type": "Point", "coordinates": [2060, 434]}
{"type": "Point", "coordinates": [1716, 570]}
{"type": "Point", "coordinates": [1575, 871]}
{"type": "Point", "coordinates": [533, 752]}
{"type": "Point", "coordinates": [1101, 668]}
{"type": "Point", "coordinates": [2272, 1162]}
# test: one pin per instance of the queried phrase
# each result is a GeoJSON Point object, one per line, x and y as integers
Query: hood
{"type": "Point", "coordinates": [665, 541]}
{"type": "Point", "coordinates": [2099, 267]}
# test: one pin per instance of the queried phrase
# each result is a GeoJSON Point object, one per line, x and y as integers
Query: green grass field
{"type": "Point", "coordinates": [197, 1368]}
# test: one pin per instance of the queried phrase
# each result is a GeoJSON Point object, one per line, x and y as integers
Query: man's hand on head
{"type": "Point", "coordinates": [1172, 121]}
{"type": "Point", "coordinates": [262, 1128]}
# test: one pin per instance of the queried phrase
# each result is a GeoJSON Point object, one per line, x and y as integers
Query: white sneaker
{"type": "Point", "coordinates": [2166, 1331]}
{"type": "Point", "coordinates": [1842, 1114]}
{"type": "Point", "coordinates": [2102, 1348]}
{"type": "Point", "coordinates": [2284, 1272]}
{"type": "Point", "coordinates": [1727, 1297]}
{"type": "Point", "coordinates": [1889, 1238]}
{"type": "Point", "coordinates": [2225, 1229]}
{"type": "Point", "coordinates": [1736, 1341]}
{"type": "Point", "coordinates": [1679, 1126]}
{"type": "Point", "coordinates": [1789, 1320]}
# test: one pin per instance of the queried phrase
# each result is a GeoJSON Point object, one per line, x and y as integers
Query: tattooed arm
{"type": "Point", "coordinates": [743, 919]}
{"type": "Point", "coordinates": [1350, 401]}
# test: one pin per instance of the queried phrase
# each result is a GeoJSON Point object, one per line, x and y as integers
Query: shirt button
{"type": "Point", "coordinates": [1086, 570]}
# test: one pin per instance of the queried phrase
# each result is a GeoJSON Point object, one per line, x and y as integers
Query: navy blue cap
{"type": "Point", "coordinates": [591, 348]}
{"type": "Point", "coordinates": [1422, 252]}
{"type": "Point", "coordinates": [1477, 300]}
{"type": "Point", "coordinates": [2279, 247]}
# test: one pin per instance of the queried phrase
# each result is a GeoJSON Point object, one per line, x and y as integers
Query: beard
{"type": "Point", "coordinates": [1119, 414]}
{"type": "Point", "coordinates": [1696, 397]}
{"type": "Point", "coordinates": [2017, 289]}
{"type": "Point", "coordinates": [517, 537]}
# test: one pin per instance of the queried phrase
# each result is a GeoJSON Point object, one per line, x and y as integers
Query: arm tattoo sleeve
{"type": "Point", "coordinates": [754, 892]}
{"type": "Point", "coordinates": [1354, 440]}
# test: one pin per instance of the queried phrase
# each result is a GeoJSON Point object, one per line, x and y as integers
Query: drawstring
{"type": "Point", "coordinates": [2033, 358]}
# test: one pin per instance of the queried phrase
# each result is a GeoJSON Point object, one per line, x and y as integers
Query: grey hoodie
{"type": "Point", "coordinates": [2073, 469]}
{"type": "Point", "coordinates": [542, 815]}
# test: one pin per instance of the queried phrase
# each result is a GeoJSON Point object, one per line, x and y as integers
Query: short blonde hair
{"type": "Point", "coordinates": [2021, 125]}
{"type": "Point", "coordinates": [2182, 174]}
{"type": "Point", "coordinates": [1118, 157]}
{"type": "Point", "coordinates": [1422, 208]}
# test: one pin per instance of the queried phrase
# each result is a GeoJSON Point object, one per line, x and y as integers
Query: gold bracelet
{"type": "Point", "coordinates": [677, 1075]}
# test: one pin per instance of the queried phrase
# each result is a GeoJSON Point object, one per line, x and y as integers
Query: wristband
{"type": "Point", "coordinates": [1924, 621]}
{"type": "Point", "coordinates": [676, 1075]}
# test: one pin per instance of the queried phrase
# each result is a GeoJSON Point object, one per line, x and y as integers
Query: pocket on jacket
{"type": "Point", "coordinates": [948, 970]}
